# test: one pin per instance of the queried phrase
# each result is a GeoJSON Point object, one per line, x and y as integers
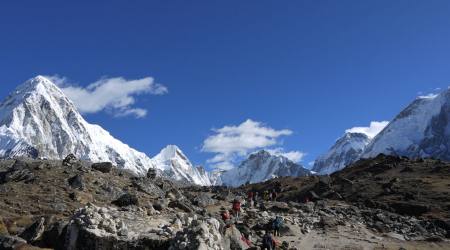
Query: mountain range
{"type": "Point", "coordinates": [421, 130]}
{"type": "Point", "coordinates": [38, 120]}
{"type": "Point", "coordinates": [262, 166]}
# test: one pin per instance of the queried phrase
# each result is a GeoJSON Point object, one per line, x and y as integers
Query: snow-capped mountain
{"type": "Point", "coordinates": [38, 120]}
{"type": "Point", "coordinates": [176, 165]}
{"type": "Point", "coordinates": [421, 130]}
{"type": "Point", "coordinates": [345, 151]}
{"type": "Point", "coordinates": [262, 166]}
{"type": "Point", "coordinates": [215, 176]}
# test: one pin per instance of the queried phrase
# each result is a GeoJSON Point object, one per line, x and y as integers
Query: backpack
{"type": "Point", "coordinates": [236, 205]}
{"type": "Point", "coordinates": [278, 222]}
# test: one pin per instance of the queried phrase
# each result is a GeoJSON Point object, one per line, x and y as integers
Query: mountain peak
{"type": "Point", "coordinates": [174, 164]}
{"type": "Point", "coordinates": [37, 83]}
{"type": "Point", "coordinates": [171, 151]}
{"type": "Point", "coordinates": [261, 166]}
{"type": "Point", "coordinates": [261, 153]}
{"type": "Point", "coordinates": [346, 150]}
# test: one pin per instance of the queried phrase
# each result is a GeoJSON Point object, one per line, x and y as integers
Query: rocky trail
{"type": "Point", "coordinates": [374, 204]}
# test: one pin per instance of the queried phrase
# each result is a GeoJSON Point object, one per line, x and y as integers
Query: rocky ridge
{"type": "Point", "coordinates": [352, 209]}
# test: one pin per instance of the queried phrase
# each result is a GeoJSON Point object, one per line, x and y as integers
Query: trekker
{"type": "Point", "coordinates": [274, 195]}
{"type": "Point", "coordinates": [267, 242]}
{"type": "Point", "coordinates": [226, 217]}
{"type": "Point", "coordinates": [236, 208]}
{"type": "Point", "coordinates": [266, 195]}
{"type": "Point", "coordinates": [276, 225]}
{"type": "Point", "coordinates": [250, 195]}
{"type": "Point", "coordinates": [250, 198]}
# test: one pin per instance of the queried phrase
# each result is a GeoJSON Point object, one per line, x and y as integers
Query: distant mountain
{"type": "Point", "coordinates": [421, 130]}
{"type": "Point", "coordinates": [175, 165]}
{"type": "Point", "coordinates": [262, 166]}
{"type": "Point", "coordinates": [345, 151]}
{"type": "Point", "coordinates": [38, 120]}
{"type": "Point", "coordinates": [215, 176]}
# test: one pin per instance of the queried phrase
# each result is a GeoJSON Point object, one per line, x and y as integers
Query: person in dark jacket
{"type": "Point", "coordinates": [268, 243]}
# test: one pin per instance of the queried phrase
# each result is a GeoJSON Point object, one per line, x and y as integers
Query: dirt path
{"type": "Point", "coordinates": [358, 238]}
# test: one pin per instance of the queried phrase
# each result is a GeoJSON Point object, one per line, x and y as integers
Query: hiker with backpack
{"type": "Point", "coordinates": [250, 199]}
{"type": "Point", "coordinates": [266, 195]}
{"type": "Point", "coordinates": [268, 243]}
{"type": "Point", "coordinates": [274, 195]}
{"type": "Point", "coordinates": [276, 225]}
{"type": "Point", "coordinates": [236, 207]}
{"type": "Point", "coordinates": [226, 217]}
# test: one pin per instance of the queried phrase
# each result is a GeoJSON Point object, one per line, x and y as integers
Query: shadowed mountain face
{"type": "Point", "coordinates": [345, 151]}
{"type": "Point", "coordinates": [420, 130]}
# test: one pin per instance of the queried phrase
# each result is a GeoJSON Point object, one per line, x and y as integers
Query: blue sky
{"type": "Point", "coordinates": [314, 68]}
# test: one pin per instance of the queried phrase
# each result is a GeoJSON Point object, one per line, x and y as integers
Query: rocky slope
{"type": "Point", "coordinates": [73, 204]}
{"type": "Point", "coordinates": [38, 120]}
{"type": "Point", "coordinates": [421, 130]}
{"type": "Point", "coordinates": [345, 151]}
{"type": "Point", "coordinates": [262, 166]}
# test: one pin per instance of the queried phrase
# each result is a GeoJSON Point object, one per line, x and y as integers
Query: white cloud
{"type": "Point", "coordinates": [234, 142]}
{"type": "Point", "coordinates": [137, 112]}
{"type": "Point", "coordinates": [115, 95]}
{"type": "Point", "coordinates": [295, 156]}
{"type": "Point", "coordinates": [428, 96]}
{"type": "Point", "coordinates": [371, 131]}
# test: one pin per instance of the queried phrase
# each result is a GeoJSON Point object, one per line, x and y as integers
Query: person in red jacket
{"type": "Point", "coordinates": [236, 208]}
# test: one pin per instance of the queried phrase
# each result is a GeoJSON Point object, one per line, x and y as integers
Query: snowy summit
{"type": "Point", "coordinates": [38, 120]}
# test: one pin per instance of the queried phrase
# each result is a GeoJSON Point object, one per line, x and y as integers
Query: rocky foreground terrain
{"type": "Point", "coordinates": [381, 203]}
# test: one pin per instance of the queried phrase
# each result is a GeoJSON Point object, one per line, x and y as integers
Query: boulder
{"type": "Point", "coordinates": [53, 236]}
{"type": "Point", "coordinates": [104, 167]}
{"type": "Point", "coordinates": [201, 235]}
{"type": "Point", "coordinates": [18, 172]}
{"type": "Point", "coordinates": [280, 207]}
{"type": "Point", "coordinates": [408, 208]}
{"type": "Point", "coordinates": [76, 182]}
{"type": "Point", "coordinates": [11, 242]}
{"type": "Point", "coordinates": [151, 173]}
{"type": "Point", "coordinates": [203, 200]}
{"type": "Point", "coordinates": [69, 161]}
{"type": "Point", "coordinates": [126, 199]}
{"type": "Point", "coordinates": [181, 205]}
{"type": "Point", "coordinates": [34, 232]}
{"type": "Point", "coordinates": [160, 205]}
{"type": "Point", "coordinates": [99, 228]}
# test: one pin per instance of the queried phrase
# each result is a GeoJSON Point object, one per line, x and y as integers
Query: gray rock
{"type": "Point", "coordinates": [104, 167]}
{"type": "Point", "coordinates": [18, 172]}
{"type": "Point", "coordinates": [11, 242]}
{"type": "Point", "coordinates": [69, 161]}
{"type": "Point", "coordinates": [34, 232]}
{"type": "Point", "coordinates": [126, 200]}
{"type": "Point", "coordinates": [76, 182]}
{"type": "Point", "coordinates": [151, 173]}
